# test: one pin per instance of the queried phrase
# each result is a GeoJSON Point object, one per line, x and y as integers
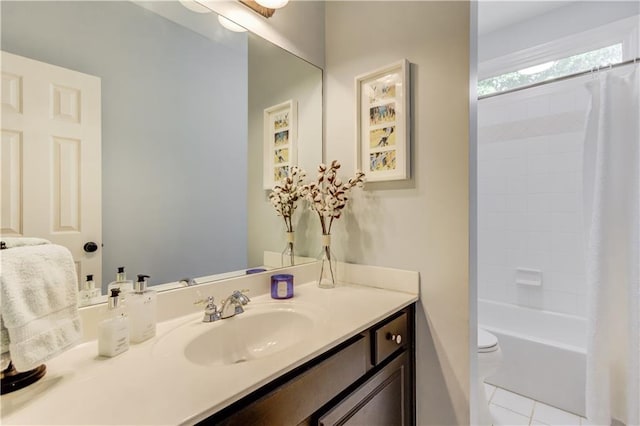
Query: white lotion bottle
{"type": "Point", "coordinates": [113, 331]}
{"type": "Point", "coordinates": [141, 305]}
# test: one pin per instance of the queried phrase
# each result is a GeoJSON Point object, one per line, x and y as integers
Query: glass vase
{"type": "Point", "coordinates": [328, 264]}
{"type": "Point", "coordinates": [287, 257]}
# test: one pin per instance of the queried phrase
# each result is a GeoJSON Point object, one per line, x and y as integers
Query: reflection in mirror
{"type": "Point", "coordinates": [177, 102]}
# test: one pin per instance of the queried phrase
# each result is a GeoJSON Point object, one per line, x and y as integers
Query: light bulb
{"type": "Point", "coordinates": [272, 4]}
{"type": "Point", "coordinates": [230, 25]}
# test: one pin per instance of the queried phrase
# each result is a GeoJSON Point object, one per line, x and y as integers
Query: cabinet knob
{"type": "Point", "coordinates": [397, 338]}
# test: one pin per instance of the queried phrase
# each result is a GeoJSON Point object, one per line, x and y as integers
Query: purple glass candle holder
{"type": "Point", "coordinates": [282, 286]}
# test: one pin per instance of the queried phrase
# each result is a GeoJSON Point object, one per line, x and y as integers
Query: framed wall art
{"type": "Point", "coordinates": [382, 130]}
{"type": "Point", "coordinates": [280, 141]}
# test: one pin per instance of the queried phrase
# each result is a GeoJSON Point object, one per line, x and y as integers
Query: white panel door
{"type": "Point", "coordinates": [51, 158]}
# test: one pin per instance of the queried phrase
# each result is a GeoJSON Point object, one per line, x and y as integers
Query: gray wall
{"type": "Point", "coordinates": [276, 76]}
{"type": "Point", "coordinates": [174, 131]}
{"type": "Point", "coordinates": [421, 224]}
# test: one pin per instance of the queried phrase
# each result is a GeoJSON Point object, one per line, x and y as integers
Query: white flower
{"type": "Point", "coordinates": [285, 194]}
{"type": "Point", "coordinates": [328, 195]}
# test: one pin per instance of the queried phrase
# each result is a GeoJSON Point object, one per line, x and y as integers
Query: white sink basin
{"type": "Point", "coordinates": [259, 332]}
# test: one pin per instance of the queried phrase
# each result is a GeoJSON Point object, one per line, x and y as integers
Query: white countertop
{"type": "Point", "coordinates": [153, 384]}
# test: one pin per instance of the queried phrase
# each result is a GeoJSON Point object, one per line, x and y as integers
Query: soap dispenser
{"type": "Point", "coordinates": [121, 282]}
{"type": "Point", "coordinates": [89, 293]}
{"type": "Point", "coordinates": [141, 305]}
{"type": "Point", "coordinates": [113, 330]}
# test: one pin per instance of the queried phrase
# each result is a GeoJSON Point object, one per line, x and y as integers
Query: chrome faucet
{"type": "Point", "coordinates": [232, 305]}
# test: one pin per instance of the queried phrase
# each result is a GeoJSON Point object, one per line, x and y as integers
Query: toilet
{"type": "Point", "coordinates": [489, 359]}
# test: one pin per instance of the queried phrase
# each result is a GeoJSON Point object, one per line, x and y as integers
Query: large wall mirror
{"type": "Point", "coordinates": [177, 104]}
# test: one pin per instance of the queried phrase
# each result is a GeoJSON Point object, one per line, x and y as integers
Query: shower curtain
{"type": "Point", "coordinates": [612, 220]}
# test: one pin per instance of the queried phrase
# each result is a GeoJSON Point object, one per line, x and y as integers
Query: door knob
{"type": "Point", "coordinates": [90, 247]}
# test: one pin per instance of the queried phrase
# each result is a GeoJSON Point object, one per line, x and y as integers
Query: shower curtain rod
{"type": "Point", "coordinates": [564, 77]}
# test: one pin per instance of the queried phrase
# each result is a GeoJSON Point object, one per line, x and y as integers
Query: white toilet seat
{"type": "Point", "coordinates": [487, 342]}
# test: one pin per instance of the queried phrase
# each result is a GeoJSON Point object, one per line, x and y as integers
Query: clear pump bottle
{"type": "Point", "coordinates": [121, 282]}
{"type": "Point", "coordinates": [141, 305]}
{"type": "Point", "coordinates": [89, 293]}
{"type": "Point", "coordinates": [113, 330]}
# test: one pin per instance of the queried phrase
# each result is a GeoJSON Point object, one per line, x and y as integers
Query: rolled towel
{"type": "Point", "coordinates": [12, 242]}
{"type": "Point", "coordinates": [39, 308]}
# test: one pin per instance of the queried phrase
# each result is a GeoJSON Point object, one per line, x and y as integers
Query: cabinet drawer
{"type": "Point", "coordinates": [297, 399]}
{"type": "Point", "coordinates": [390, 337]}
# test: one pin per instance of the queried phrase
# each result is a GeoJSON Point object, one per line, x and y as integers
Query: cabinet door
{"type": "Point", "coordinates": [382, 400]}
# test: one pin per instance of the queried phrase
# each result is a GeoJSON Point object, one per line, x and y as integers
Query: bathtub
{"type": "Point", "coordinates": [544, 353]}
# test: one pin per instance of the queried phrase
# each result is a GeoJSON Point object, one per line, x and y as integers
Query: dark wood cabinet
{"type": "Point", "coordinates": [384, 399]}
{"type": "Point", "coordinates": [367, 380]}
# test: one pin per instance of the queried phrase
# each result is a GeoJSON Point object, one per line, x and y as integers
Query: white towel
{"type": "Point", "coordinates": [38, 291]}
{"type": "Point", "coordinates": [5, 357]}
{"type": "Point", "coordinates": [11, 242]}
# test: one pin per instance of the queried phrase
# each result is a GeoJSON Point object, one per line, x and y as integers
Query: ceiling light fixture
{"type": "Point", "coordinates": [265, 8]}
{"type": "Point", "coordinates": [230, 25]}
{"type": "Point", "coordinates": [272, 4]}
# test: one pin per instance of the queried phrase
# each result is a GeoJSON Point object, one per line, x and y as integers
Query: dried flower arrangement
{"type": "Point", "coordinates": [328, 196]}
{"type": "Point", "coordinates": [286, 193]}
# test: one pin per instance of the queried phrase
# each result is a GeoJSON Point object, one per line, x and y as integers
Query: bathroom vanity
{"type": "Point", "coordinates": [369, 379]}
{"type": "Point", "coordinates": [323, 357]}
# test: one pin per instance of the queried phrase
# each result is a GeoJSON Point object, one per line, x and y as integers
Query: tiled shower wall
{"type": "Point", "coordinates": [530, 198]}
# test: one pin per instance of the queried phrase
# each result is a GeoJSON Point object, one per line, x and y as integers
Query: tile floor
{"type": "Point", "coordinates": [510, 409]}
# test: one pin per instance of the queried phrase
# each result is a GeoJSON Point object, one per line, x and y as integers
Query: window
{"type": "Point", "coordinates": [552, 69]}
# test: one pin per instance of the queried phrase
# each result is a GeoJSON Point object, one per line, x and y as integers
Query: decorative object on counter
{"type": "Point", "coordinates": [141, 305]}
{"type": "Point", "coordinates": [328, 264]}
{"type": "Point", "coordinates": [255, 271]}
{"type": "Point", "coordinates": [13, 380]}
{"type": "Point", "coordinates": [39, 294]}
{"type": "Point", "coordinates": [113, 330]}
{"type": "Point", "coordinates": [382, 99]}
{"type": "Point", "coordinates": [282, 286]}
{"type": "Point", "coordinates": [280, 141]}
{"type": "Point", "coordinates": [122, 283]}
{"type": "Point", "coordinates": [284, 197]}
{"type": "Point", "coordinates": [328, 197]}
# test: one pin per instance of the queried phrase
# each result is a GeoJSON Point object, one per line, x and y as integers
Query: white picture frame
{"type": "Point", "coordinates": [280, 150]}
{"type": "Point", "coordinates": [383, 122]}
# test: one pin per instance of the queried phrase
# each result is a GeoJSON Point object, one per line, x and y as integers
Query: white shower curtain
{"type": "Point", "coordinates": [612, 220]}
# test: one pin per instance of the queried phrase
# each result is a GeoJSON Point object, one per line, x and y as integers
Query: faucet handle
{"type": "Point", "coordinates": [211, 312]}
{"type": "Point", "coordinates": [210, 305]}
{"type": "Point", "coordinates": [241, 297]}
